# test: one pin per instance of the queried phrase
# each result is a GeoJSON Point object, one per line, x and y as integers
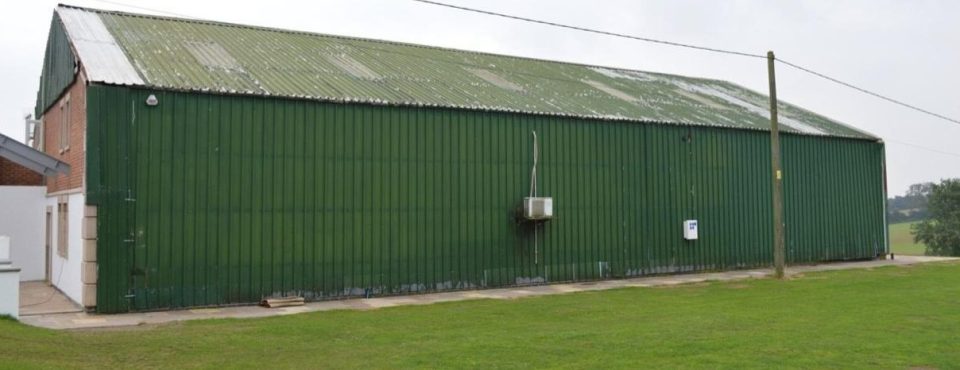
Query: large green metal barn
{"type": "Point", "coordinates": [225, 163]}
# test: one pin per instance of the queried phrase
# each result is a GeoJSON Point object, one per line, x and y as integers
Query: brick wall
{"type": "Point", "coordinates": [15, 174]}
{"type": "Point", "coordinates": [74, 154]}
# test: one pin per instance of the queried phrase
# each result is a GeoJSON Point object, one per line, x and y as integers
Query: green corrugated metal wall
{"type": "Point", "coordinates": [59, 66]}
{"type": "Point", "coordinates": [210, 200]}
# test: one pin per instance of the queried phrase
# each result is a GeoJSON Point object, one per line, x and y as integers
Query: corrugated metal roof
{"type": "Point", "coordinates": [219, 57]}
{"type": "Point", "coordinates": [104, 60]}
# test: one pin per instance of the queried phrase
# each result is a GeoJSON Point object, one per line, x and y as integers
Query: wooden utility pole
{"type": "Point", "coordinates": [779, 250]}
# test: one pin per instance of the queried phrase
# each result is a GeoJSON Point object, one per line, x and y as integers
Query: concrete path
{"type": "Point", "coordinates": [40, 298]}
{"type": "Point", "coordinates": [85, 320]}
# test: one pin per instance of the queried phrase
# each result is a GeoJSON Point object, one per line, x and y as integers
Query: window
{"type": "Point", "coordinates": [65, 124]}
{"type": "Point", "coordinates": [62, 230]}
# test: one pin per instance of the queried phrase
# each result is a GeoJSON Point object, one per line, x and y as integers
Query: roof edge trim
{"type": "Point", "coordinates": [31, 158]}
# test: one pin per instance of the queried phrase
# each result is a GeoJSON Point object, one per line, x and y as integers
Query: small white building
{"type": "Point", "coordinates": [28, 229]}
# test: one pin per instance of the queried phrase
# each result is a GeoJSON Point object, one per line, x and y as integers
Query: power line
{"type": "Point", "coordinates": [924, 148]}
{"type": "Point", "coordinates": [703, 48]}
{"type": "Point", "coordinates": [865, 91]}
{"type": "Point", "coordinates": [607, 33]}
{"type": "Point", "coordinates": [117, 3]}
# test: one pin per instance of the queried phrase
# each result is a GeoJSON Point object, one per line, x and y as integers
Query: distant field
{"type": "Point", "coordinates": [901, 240]}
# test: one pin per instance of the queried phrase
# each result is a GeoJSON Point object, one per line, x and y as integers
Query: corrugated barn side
{"type": "Point", "coordinates": [209, 199]}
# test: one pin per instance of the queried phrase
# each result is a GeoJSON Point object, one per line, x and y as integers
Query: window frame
{"type": "Point", "coordinates": [63, 230]}
{"type": "Point", "coordinates": [65, 116]}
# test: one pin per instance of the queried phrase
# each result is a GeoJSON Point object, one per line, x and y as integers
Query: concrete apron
{"type": "Point", "coordinates": [81, 320]}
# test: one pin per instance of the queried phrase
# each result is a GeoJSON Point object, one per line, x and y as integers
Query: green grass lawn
{"type": "Point", "coordinates": [901, 240]}
{"type": "Point", "coordinates": [892, 317]}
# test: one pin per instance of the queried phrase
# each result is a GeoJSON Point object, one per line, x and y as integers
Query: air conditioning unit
{"type": "Point", "coordinates": [537, 208]}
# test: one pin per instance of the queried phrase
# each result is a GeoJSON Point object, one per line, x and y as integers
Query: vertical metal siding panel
{"type": "Point", "coordinates": [658, 175]}
{"type": "Point", "coordinates": [509, 242]}
{"type": "Point", "coordinates": [59, 67]}
{"type": "Point", "coordinates": [324, 147]}
{"type": "Point", "coordinates": [791, 168]}
{"type": "Point", "coordinates": [677, 206]}
{"type": "Point", "coordinates": [202, 211]}
{"type": "Point", "coordinates": [174, 210]}
{"type": "Point", "coordinates": [161, 272]}
{"type": "Point", "coordinates": [417, 234]}
{"type": "Point", "coordinates": [468, 222]}
{"type": "Point", "coordinates": [389, 190]}
{"type": "Point", "coordinates": [823, 202]}
{"type": "Point", "coordinates": [597, 240]}
{"type": "Point", "coordinates": [268, 199]}
{"type": "Point", "coordinates": [364, 197]}
{"type": "Point", "coordinates": [259, 175]}
{"type": "Point", "coordinates": [804, 234]}
{"type": "Point", "coordinates": [287, 212]}
{"type": "Point", "coordinates": [240, 198]}
{"type": "Point", "coordinates": [700, 172]}
{"type": "Point", "coordinates": [381, 211]}
{"type": "Point", "coordinates": [741, 195]}
{"type": "Point", "coordinates": [316, 173]}
{"type": "Point", "coordinates": [188, 215]}
{"type": "Point", "coordinates": [651, 172]}
{"type": "Point", "coordinates": [601, 220]}
{"type": "Point", "coordinates": [627, 169]}
{"type": "Point", "coordinates": [145, 294]}
{"type": "Point", "coordinates": [309, 229]}
{"type": "Point", "coordinates": [485, 202]}
{"type": "Point", "coordinates": [611, 201]}
{"type": "Point", "coordinates": [457, 187]}
{"type": "Point", "coordinates": [732, 209]}
{"type": "Point", "coordinates": [712, 187]}
{"type": "Point", "coordinates": [490, 203]}
{"type": "Point", "coordinates": [125, 208]}
{"type": "Point", "coordinates": [441, 256]}
{"type": "Point", "coordinates": [831, 208]}
{"type": "Point", "coordinates": [222, 202]}
{"type": "Point", "coordinates": [300, 273]}
{"type": "Point", "coordinates": [281, 215]}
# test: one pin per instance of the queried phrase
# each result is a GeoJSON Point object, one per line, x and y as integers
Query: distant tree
{"type": "Point", "coordinates": [920, 190]}
{"type": "Point", "coordinates": [910, 207]}
{"type": "Point", "coordinates": [941, 231]}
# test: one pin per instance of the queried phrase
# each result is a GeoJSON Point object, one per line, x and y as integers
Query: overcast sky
{"type": "Point", "coordinates": [904, 49]}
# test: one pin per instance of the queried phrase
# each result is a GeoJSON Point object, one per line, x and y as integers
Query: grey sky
{"type": "Point", "coordinates": [904, 49]}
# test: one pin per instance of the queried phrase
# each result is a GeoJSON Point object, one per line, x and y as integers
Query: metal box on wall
{"type": "Point", "coordinates": [538, 208]}
{"type": "Point", "coordinates": [691, 230]}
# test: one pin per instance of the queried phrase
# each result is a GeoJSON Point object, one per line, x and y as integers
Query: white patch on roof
{"type": "Point", "coordinates": [212, 55]}
{"type": "Point", "coordinates": [612, 91]}
{"type": "Point", "coordinates": [352, 66]}
{"type": "Point", "coordinates": [700, 99]}
{"type": "Point", "coordinates": [494, 79]}
{"type": "Point", "coordinates": [763, 111]}
{"type": "Point", "coordinates": [621, 73]}
{"type": "Point", "coordinates": [102, 58]}
{"type": "Point", "coordinates": [799, 126]}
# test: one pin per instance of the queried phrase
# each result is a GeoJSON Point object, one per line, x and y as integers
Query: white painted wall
{"type": "Point", "coordinates": [9, 290]}
{"type": "Point", "coordinates": [21, 218]}
{"type": "Point", "coordinates": [65, 273]}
